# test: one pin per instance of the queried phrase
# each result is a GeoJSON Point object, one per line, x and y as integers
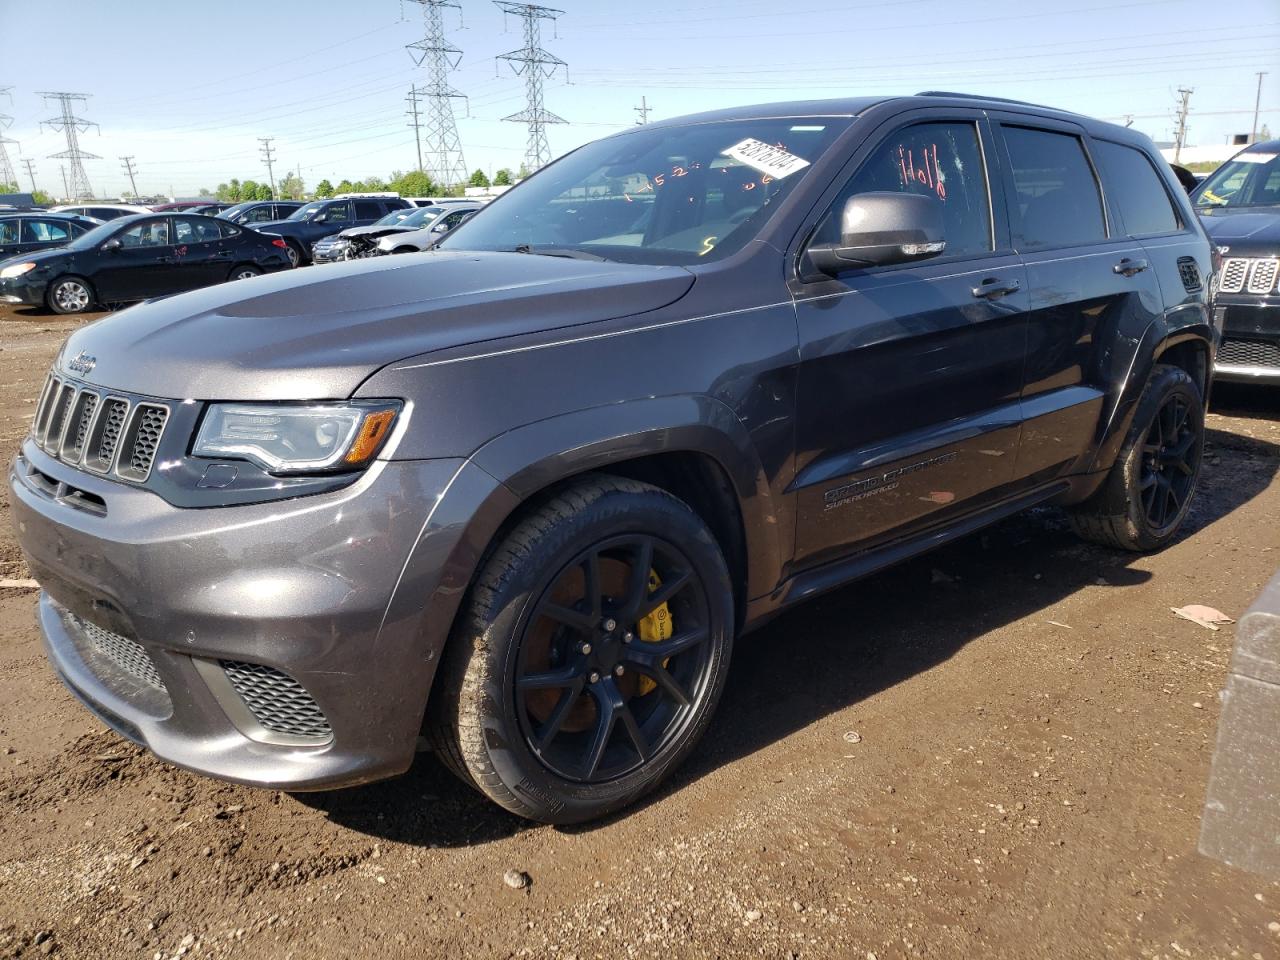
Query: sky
{"type": "Point", "coordinates": [187, 88]}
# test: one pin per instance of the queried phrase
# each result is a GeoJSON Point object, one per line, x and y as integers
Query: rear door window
{"type": "Point", "coordinates": [44, 231]}
{"type": "Point", "coordinates": [368, 210]}
{"type": "Point", "coordinates": [1058, 204]}
{"type": "Point", "coordinates": [1135, 188]}
{"type": "Point", "coordinates": [194, 230]}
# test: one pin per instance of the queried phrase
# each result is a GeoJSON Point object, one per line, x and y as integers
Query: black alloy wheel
{"type": "Point", "coordinates": [1170, 462]}
{"type": "Point", "coordinates": [596, 699]}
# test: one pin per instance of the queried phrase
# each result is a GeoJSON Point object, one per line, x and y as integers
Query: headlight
{"type": "Point", "coordinates": [297, 438]}
{"type": "Point", "coordinates": [16, 270]}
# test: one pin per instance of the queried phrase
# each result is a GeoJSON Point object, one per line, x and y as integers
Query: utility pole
{"type": "Point", "coordinates": [1128, 119]}
{"type": "Point", "coordinates": [267, 158]}
{"type": "Point", "coordinates": [535, 64]}
{"type": "Point", "coordinates": [1184, 107]}
{"type": "Point", "coordinates": [128, 168]}
{"type": "Point", "coordinates": [72, 126]}
{"type": "Point", "coordinates": [6, 168]}
{"type": "Point", "coordinates": [445, 164]}
{"type": "Point", "coordinates": [66, 191]}
{"type": "Point", "coordinates": [412, 100]}
{"type": "Point", "coordinates": [644, 109]}
{"type": "Point", "coordinates": [31, 173]}
{"type": "Point", "coordinates": [1257, 100]}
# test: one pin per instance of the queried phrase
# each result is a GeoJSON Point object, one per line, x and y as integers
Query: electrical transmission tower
{"type": "Point", "coordinates": [131, 171]}
{"type": "Point", "coordinates": [444, 150]}
{"type": "Point", "coordinates": [1184, 108]}
{"type": "Point", "coordinates": [268, 157]}
{"type": "Point", "coordinates": [536, 65]}
{"type": "Point", "coordinates": [78, 186]}
{"type": "Point", "coordinates": [7, 174]}
{"type": "Point", "coordinates": [31, 172]}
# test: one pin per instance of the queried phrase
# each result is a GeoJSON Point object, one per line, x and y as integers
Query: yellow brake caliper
{"type": "Point", "coordinates": [654, 628]}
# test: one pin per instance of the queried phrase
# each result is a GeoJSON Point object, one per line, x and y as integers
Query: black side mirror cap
{"type": "Point", "coordinates": [877, 229]}
{"type": "Point", "coordinates": [112, 245]}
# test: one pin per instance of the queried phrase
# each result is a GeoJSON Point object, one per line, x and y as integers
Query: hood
{"type": "Point", "coordinates": [373, 231]}
{"type": "Point", "coordinates": [47, 255]}
{"type": "Point", "coordinates": [269, 225]}
{"type": "Point", "coordinates": [1259, 227]}
{"type": "Point", "coordinates": [314, 334]}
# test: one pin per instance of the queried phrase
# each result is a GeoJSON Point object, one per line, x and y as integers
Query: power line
{"type": "Point", "coordinates": [78, 187]}
{"type": "Point", "coordinates": [267, 158]}
{"type": "Point", "coordinates": [444, 148]}
{"type": "Point", "coordinates": [1184, 108]}
{"type": "Point", "coordinates": [129, 169]}
{"type": "Point", "coordinates": [535, 64]}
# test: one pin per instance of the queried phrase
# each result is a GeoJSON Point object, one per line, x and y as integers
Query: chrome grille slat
{"type": "Point", "coordinates": [77, 430]}
{"type": "Point", "coordinates": [50, 390]}
{"type": "Point", "coordinates": [1262, 278]}
{"type": "Point", "coordinates": [1234, 272]}
{"type": "Point", "coordinates": [126, 654]}
{"type": "Point", "coordinates": [277, 701]}
{"type": "Point", "coordinates": [60, 407]}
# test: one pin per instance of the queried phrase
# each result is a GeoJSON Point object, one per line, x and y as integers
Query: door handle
{"type": "Point", "coordinates": [1128, 268]}
{"type": "Point", "coordinates": [993, 289]}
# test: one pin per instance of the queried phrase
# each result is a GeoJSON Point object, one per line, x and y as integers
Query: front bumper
{"type": "Point", "coordinates": [24, 289]}
{"type": "Point", "coordinates": [1250, 350]}
{"type": "Point", "coordinates": [329, 252]}
{"type": "Point", "coordinates": [350, 594]}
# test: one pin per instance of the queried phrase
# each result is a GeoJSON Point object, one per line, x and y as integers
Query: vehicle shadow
{"type": "Point", "coordinates": [1246, 400]}
{"type": "Point", "coordinates": [839, 649]}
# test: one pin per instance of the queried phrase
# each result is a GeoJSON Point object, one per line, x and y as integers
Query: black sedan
{"type": "Point", "coordinates": [40, 230]}
{"type": "Point", "coordinates": [138, 257]}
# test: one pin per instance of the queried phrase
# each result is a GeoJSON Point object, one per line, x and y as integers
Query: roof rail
{"type": "Point", "coordinates": [349, 196]}
{"type": "Point", "coordinates": [979, 96]}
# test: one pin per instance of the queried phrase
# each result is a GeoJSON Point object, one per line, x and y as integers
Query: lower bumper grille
{"type": "Point", "coordinates": [1249, 353]}
{"type": "Point", "coordinates": [129, 656]}
{"type": "Point", "coordinates": [277, 701]}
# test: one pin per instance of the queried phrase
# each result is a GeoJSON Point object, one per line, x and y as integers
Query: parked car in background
{"type": "Point", "coordinates": [209, 209]}
{"type": "Point", "coordinates": [250, 213]}
{"type": "Point", "coordinates": [101, 211]}
{"type": "Point", "coordinates": [187, 205]}
{"type": "Point", "coordinates": [443, 220]}
{"type": "Point", "coordinates": [531, 486]}
{"type": "Point", "coordinates": [1239, 205]}
{"type": "Point", "coordinates": [138, 257]}
{"type": "Point", "coordinates": [357, 242]}
{"type": "Point", "coordinates": [40, 230]}
{"type": "Point", "coordinates": [320, 218]}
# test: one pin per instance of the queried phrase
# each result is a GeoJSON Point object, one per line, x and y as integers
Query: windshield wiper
{"type": "Point", "coordinates": [571, 253]}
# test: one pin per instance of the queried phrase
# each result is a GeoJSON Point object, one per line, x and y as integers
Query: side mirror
{"type": "Point", "coordinates": [877, 229]}
{"type": "Point", "coordinates": [112, 245]}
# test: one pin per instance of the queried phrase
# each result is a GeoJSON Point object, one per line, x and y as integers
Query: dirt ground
{"type": "Point", "coordinates": [1036, 729]}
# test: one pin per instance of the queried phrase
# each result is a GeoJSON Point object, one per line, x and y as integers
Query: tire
{"type": "Point", "coordinates": [243, 271]}
{"type": "Point", "coordinates": [1146, 497]}
{"type": "Point", "coordinates": [554, 729]}
{"type": "Point", "coordinates": [69, 295]}
{"type": "Point", "coordinates": [297, 256]}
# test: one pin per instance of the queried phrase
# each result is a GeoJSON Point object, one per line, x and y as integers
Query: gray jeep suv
{"type": "Point", "coordinates": [524, 492]}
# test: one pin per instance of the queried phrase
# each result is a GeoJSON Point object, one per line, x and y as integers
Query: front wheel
{"type": "Point", "coordinates": [70, 295]}
{"type": "Point", "coordinates": [1146, 497]}
{"type": "Point", "coordinates": [590, 656]}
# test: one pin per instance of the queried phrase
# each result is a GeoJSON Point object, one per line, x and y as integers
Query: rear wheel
{"type": "Point", "coordinates": [590, 656]}
{"type": "Point", "coordinates": [69, 295]}
{"type": "Point", "coordinates": [243, 272]}
{"type": "Point", "coordinates": [1148, 493]}
{"type": "Point", "coordinates": [294, 253]}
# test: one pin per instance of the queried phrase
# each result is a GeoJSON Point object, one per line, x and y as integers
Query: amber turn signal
{"type": "Point", "coordinates": [373, 431]}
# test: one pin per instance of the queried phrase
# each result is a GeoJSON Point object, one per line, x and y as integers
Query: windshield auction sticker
{"type": "Point", "coordinates": [1254, 156]}
{"type": "Point", "coordinates": [770, 160]}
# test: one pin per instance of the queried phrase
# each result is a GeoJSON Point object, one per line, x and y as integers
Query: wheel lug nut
{"type": "Point", "coordinates": [619, 670]}
{"type": "Point", "coordinates": [610, 625]}
{"type": "Point", "coordinates": [585, 648]}
{"type": "Point", "coordinates": [595, 677]}
{"type": "Point", "coordinates": [628, 637]}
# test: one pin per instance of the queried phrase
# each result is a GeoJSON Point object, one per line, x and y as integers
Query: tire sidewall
{"type": "Point", "coordinates": [1167, 382]}
{"type": "Point", "coordinates": [551, 797]}
{"type": "Point", "coordinates": [53, 300]}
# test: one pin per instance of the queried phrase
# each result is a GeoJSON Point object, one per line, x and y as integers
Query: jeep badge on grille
{"type": "Point", "coordinates": [82, 362]}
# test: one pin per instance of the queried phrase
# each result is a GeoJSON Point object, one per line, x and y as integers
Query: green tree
{"type": "Point", "coordinates": [205, 192]}
{"type": "Point", "coordinates": [345, 186]}
{"type": "Point", "coordinates": [478, 179]}
{"type": "Point", "coordinates": [41, 198]}
{"type": "Point", "coordinates": [524, 172]}
{"type": "Point", "coordinates": [502, 178]}
{"type": "Point", "coordinates": [324, 189]}
{"type": "Point", "coordinates": [8, 187]}
{"type": "Point", "coordinates": [248, 190]}
{"type": "Point", "coordinates": [415, 183]}
{"type": "Point", "coordinates": [263, 192]}
{"type": "Point", "coordinates": [292, 187]}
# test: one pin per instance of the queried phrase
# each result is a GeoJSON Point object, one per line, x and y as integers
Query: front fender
{"type": "Point", "coordinates": [531, 458]}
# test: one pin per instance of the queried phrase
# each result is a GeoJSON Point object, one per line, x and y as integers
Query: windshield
{"type": "Point", "coordinates": [674, 195]}
{"type": "Point", "coordinates": [1251, 179]}
{"type": "Point", "coordinates": [307, 211]}
{"type": "Point", "coordinates": [97, 235]}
